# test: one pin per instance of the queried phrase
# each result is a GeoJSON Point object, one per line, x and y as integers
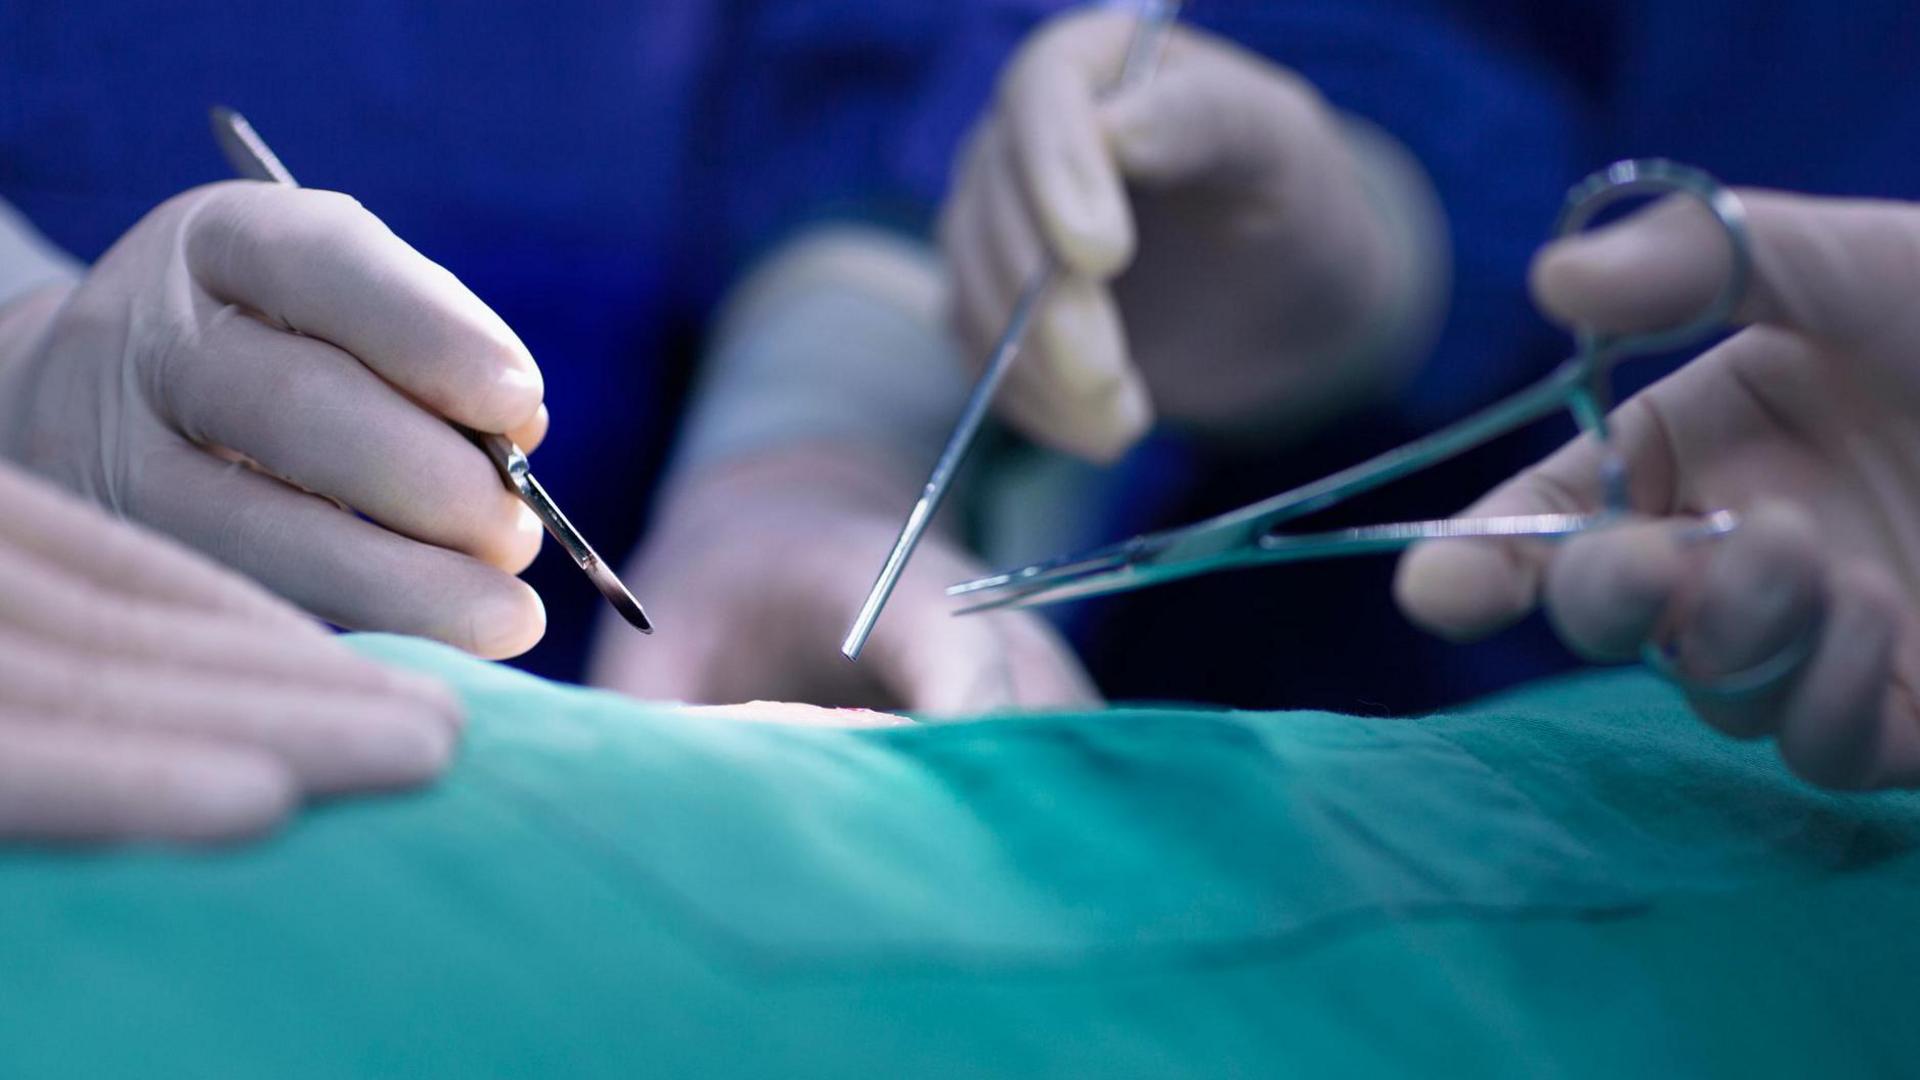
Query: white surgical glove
{"type": "Point", "coordinates": [824, 400]}
{"type": "Point", "coordinates": [146, 694]}
{"type": "Point", "coordinates": [1807, 423]}
{"type": "Point", "coordinates": [289, 330]}
{"type": "Point", "coordinates": [760, 564]}
{"type": "Point", "coordinates": [1236, 256]}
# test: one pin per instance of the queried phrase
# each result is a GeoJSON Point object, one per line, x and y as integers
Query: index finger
{"type": "Point", "coordinates": [1835, 269]}
{"type": "Point", "coordinates": [64, 531]}
{"type": "Point", "coordinates": [319, 263]}
{"type": "Point", "coordinates": [1049, 101]}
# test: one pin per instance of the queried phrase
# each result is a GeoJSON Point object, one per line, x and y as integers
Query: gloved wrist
{"type": "Point", "coordinates": [24, 322]}
{"type": "Point", "coordinates": [845, 477]}
{"type": "Point", "coordinates": [837, 338]}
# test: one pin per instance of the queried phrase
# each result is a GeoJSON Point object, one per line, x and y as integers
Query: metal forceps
{"type": "Point", "coordinates": [1143, 52]}
{"type": "Point", "coordinates": [250, 157]}
{"type": "Point", "coordinates": [1251, 536]}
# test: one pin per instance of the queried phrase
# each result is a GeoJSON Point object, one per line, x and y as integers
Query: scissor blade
{"type": "Point", "coordinates": [246, 152]}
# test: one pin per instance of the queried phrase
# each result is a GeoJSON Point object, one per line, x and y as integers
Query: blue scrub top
{"type": "Point", "coordinates": [595, 172]}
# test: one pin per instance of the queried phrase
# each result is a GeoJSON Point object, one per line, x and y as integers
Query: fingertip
{"type": "Point", "coordinates": [1461, 590]}
{"type": "Point", "coordinates": [518, 544]}
{"type": "Point", "coordinates": [372, 745]}
{"type": "Point", "coordinates": [506, 623]}
{"type": "Point", "coordinates": [1089, 221]}
{"type": "Point", "coordinates": [513, 399]}
{"type": "Point", "coordinates": [1046, 672]}
{"type": "Point", "coordinates": [1083, 346]}
{"type": "Point", "coordinates": [432, 695]}
{"type": "Point", "coordinates": [1129, 417]}
{"type": "Point", "coordinates": [1607, 590]}
{"type": "Point", "coordinates": [1567, 274]}
{"type": "Point", "coordinates": [531, 434]}
{"type": "Point", "coordinates": [411, 749]}
{"type": "Point", "coordinates": [1655, 269]}
{"type": "Point", "coordinates": [1100, 429]}
{"type": "Point", "coordinates": [222, 795]}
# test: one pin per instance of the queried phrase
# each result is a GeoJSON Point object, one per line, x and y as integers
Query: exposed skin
{"type": "Point", "coordinates": [1224, 261]}
{"type": "Point", "coordinates": [757, 565]}
{"type": "Point", "coordinates": [247, 360]}
{"type": "Point", "coordinates": [795, 714]}
{"type": "Point", "coordinates": [147, 694]}
{"type": "Point", "coordinates": [1807, 423]}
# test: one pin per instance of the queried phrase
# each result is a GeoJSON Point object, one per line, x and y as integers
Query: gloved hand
{"type": "Point", "coordinates": [147, 694]}
{"type": "Point", "coordinates": [1235, 254]}
{"type": "Point", "coordinates": [759, 563]}
{"type": "Point", "coordinates": [290, 330]}
{"type": "Point", "coordinates": [1807, 423]}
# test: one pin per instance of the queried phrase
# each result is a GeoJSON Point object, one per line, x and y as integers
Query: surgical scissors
{"type": "Point", "coordinates": [1251, 535]}
{"type": "Point", "coordinates": [250, 157]}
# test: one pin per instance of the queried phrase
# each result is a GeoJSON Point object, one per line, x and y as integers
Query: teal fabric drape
{"type": "Point", "coordinates": [1572, 880]}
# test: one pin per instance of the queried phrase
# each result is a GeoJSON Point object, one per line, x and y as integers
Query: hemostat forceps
{"type": "Point", "coordinates": [1251, 536]}
{"type": "Point", "coordinates": [251, 158]}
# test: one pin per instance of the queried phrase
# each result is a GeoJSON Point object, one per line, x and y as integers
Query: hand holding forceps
{"type": "Point", "coordinates": [1252, 535]}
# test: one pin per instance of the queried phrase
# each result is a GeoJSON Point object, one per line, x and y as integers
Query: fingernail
{"type": "Point", "coordinates": [430, 692]}
{"type": "Point", "coordinates": [526, 523]}
{"type": "Point", "coordinates": [1082, 342]}
{"type": "Point", "coordinates": [237, 799]}
{"type": "Point", "coordinates": [520, 380]}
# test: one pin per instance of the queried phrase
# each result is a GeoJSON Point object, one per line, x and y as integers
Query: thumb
{"type": "Point", "coordinates": [1835, 269]}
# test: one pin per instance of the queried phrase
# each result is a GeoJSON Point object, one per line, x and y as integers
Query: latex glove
{"type": "Point", "coordinates": [1229, 260]}
{"type": "Point", "coordinates": [291, 329]}
{"type": "Point", "coordinates": [760, 563]}
{"type": "Point", "coordinates": [147, 694]}
{"type": "Point", "coordinates": [1807, 422]}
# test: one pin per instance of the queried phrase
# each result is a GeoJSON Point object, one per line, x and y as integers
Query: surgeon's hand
{"type": "Point", "coordinates": [146, 694]}
{"type": "Point", "coordinates": [267, 373]}
{"type": "Point", "coordinates": [1807, 423]}
{"type": "Point", "coordinates": [1233, 256]}
{"type": "Point", "coordinates": [754, 569]}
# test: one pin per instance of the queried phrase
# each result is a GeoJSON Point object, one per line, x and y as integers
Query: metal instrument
{"type": "Point", "coordinates": [251, 158]}
{"type": "Point", "coordinates": [1252, 536]}
{"type": "Point", "coordinates": [1155, 18]}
